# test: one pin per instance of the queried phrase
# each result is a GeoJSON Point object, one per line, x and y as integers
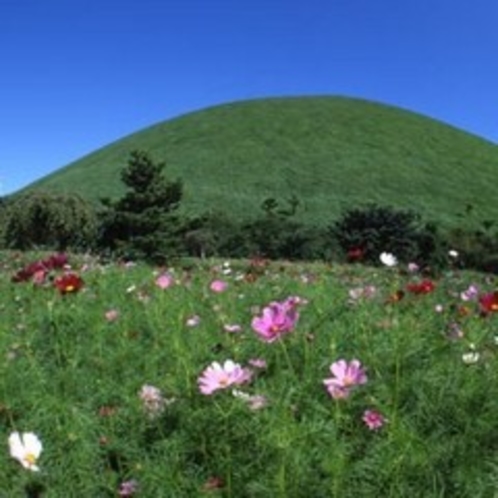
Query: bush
{"type": "Point", "coordinates": [375, 229]}
{"type": "Point", "coordinates": [47, 220]}
{"type": "Point", "coordinates": [212, 234]}
{"type": "Point", "coordinates": [477, 246]}
{"type": "Point", "coordinates": [273, 234]}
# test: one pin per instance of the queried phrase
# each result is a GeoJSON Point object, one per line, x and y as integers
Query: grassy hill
{"type": "Point", "coordinates": [331, 152]}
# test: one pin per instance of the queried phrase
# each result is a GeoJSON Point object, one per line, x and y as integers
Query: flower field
{"type": "Point", "coordinates": [246, 379]}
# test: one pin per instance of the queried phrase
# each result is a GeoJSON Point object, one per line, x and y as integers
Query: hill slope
{"type": "Point", "coordinates": [331, 152]}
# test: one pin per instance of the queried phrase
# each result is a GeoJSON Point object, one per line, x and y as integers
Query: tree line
{"type": "Point", "coordinates": [146, 224]}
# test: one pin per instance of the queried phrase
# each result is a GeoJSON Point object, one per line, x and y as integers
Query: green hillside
{"type": "Point", "coordinates": [331, 152]}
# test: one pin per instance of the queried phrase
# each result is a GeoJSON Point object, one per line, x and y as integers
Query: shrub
{"type": "Point", "coordinates": [477, 246]}
{"type": "Point", "coordinates": [375, 229]}
{"type": "Point", "coordinates": [277, 234]}
{"type": "Point", "coordinates": [49, 220]}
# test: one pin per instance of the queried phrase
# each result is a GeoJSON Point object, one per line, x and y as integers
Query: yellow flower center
{"type": "Point", "coordinates": [224, 381]}
{"type": "Point", "coordinates": [30, 459]}
{"type": "Point", "coordinates": [348, 381]}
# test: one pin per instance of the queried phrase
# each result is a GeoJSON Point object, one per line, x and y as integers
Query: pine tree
{"type": "Point", "coordinates": [142, 224]}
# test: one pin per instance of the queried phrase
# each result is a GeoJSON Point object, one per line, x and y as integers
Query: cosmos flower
{"type": "Point", "coordinates": [193, 321]}
{"type": "Point", "coordinates": [254, 401]}
{"type": "Point", "coordinates": [111, 315]}
{"type": "Point", "coordinates": [26, 449]}
{"type": "Point", "coordinates": [277, 319]}
{"type": "Point", "coordinates": [68, 283]}
{"type": "Point", "coordinates": [128, 488]}
{"type": "Point", "coordinates": [232, 328]}
{"type": "Point", "coordinates": [470, 294]}
{"type": "Point", "coordinates": [41, 267]}
{"type": "Point", "coordinates": [489, 302]}
{"type": "Point", "coordinates": [218, 286]}
{"type": "Point", "coordinates": [424, 287]}
{"type": "Point", "coordinates": [368, 291]}
{"type": "Point", "coordinates": [413, 267]}
{"type": "Point", "coordinates": [345, 377]}
{"type": "Point", "coordinates": [153, 400]}
{"type": "Point", "coordinates": [258, 363]}
{"type": "Point", "coordinates": [388, 259]}
{"type": "Point", "coordinates": [164, 281]}
{"type": "Point", "coordinates": [373, 419]}
{"type": "Point", "coordinates": [355, 254]}
{"type": "Point", "coordinates": [472, 356]}
{"type": "Point", "coordinates": [217, 376]}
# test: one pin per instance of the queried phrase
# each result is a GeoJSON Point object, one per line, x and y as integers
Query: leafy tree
{"type": "Point", "coordinates": [143, 223]}
{"type": "Point", "coordinates": [374, 229]}
{"type": "Point", "coordinates": [49, 220]}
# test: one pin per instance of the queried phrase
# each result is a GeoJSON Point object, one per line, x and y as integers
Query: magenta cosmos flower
{"type": "Point", "coordinates": [218, 286]}
{"type": "Point", "coordinates": [346, 376]}
{"type": "Point", "coordinates": [277, 319]}
{"type": "Point", "coordinates": [164, 281]}
{"type": "Point", "coordinates": [373, 419]}
{"type": "Point", "coordinates": [217, 376]}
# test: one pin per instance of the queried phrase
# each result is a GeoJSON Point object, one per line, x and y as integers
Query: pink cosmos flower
{"type": "Point", "coordinates": [128, 488]}
{"type": "Point", "coordinates": [111, 315]}
{"type": "Point", "coordinates": [277, 319]}
{"type": "Point", "coordinates": [218, 286]}
{"type": "Point", "coordinates": [164, 281]}
{"type": "Point", "coordinates": [366, 292]}
{"type": "Point", "coordinates": [254, 401]}
{"type": "Point", "coordinates": [470, 294]}
{"type": "Point", "coordinates": [346, 376]}
{"type": "Point", "coordinates": [152, 399]}
{"type": "Point", "coordinates": [217, 376]}
{"type": "Point", "coordinates": [373, 419]}
{"type": "Point", "coordinates": [413, 267]}
{"type": "Point", "coordinates": [39, 277]}
{"type": "Point", "coordinates": [258, 363]}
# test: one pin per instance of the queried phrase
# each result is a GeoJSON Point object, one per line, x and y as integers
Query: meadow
{"type": "Point", "coordinates": [246, 379]}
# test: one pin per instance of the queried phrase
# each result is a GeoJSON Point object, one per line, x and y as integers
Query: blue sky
{"type": "Point", "coordinates": [77, 75]}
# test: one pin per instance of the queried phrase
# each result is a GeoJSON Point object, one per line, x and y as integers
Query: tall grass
{"type": "Point", "coordinates": [73, 377]}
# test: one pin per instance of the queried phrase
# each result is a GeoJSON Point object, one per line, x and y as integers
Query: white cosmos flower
{"type": "Point", "coordinates": [388, 259]}
{"type": "Point", "coordinates": [25, 448]}
{"type": "Point", "coordinates": [471, 357]}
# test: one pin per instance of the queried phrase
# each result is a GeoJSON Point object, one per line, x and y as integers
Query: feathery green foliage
{"type": "Point", "coordinates": [45, 219]}
{"type": "Point", "coordinates": [74, 377]}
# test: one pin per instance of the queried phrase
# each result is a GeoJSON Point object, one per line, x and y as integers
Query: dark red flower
{"type": "Point", "coordinates": [42, 266]}
{"type": "Point", "coordinates": [68, 283]}
{"type": "Point", "coordinates": [28, 271]}
{"type": "Point", "coordinates": [423, 287]}
{"type": "Point", "coordinates": [489, 302]}
{"type": "Point", "coordinates": [355, 254]}
{"type": "Point", "coordinates": [56, 261]}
